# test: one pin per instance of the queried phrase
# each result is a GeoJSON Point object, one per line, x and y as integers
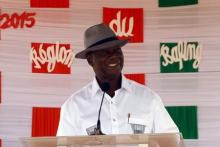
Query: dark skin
{"type": "Point", "coordinates": [107, 65]}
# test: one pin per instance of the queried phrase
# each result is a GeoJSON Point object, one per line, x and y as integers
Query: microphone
{"type": "Point", "coordinates": [105, 87]}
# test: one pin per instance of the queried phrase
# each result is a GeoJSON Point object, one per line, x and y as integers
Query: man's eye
{"type": "Point", "coordinates": [105, 53]}
{"type": "Point", "coordinates": [102, 54]}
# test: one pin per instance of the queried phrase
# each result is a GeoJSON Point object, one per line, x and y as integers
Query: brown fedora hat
{"type": "Point", "coordinates": [99, 37]}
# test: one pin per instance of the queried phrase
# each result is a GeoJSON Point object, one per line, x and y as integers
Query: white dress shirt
{"type": "Point", "coordinates": [132, 104]}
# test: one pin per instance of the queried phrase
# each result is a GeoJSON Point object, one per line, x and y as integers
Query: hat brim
{"type": "Point", "coordinates": [106, 45]}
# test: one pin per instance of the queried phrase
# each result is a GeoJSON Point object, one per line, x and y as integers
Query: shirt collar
{"type": "Point", "coordinates": [125, 85]}
{"type": "Point", "coordinates": [95, 87]}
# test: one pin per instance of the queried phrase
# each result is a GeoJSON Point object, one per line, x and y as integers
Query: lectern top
{"type": "Point", "coordinates": [139, 140]}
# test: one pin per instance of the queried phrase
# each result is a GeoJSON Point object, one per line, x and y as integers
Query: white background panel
{"type": "Point", "coordinates": [22, 89]}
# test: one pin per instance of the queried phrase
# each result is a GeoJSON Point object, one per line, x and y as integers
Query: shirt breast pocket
{"type": "Point", "coordinates": [141, 125]}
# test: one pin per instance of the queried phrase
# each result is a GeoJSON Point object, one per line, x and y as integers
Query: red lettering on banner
{"type": "Point", "coordinates": [16, 21]}
{"type": "Point", "coordinates": [51, 58]}
{"type": "Point", "coordinates": [49, 3]}
{"type": "Point", "coordinates": [127, 23]}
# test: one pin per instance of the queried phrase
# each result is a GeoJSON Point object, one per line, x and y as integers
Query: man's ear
{"type": "Point", "coordinates": [89, 59]}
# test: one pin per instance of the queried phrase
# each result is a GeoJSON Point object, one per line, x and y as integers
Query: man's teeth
{"type": "Point", "coordinates": [112, 65]}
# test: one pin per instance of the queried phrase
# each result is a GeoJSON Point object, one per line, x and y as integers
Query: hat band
{"type": "Point", "coordinates": [103, 41]}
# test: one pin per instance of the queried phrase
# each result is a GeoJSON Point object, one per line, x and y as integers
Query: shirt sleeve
{"type": "Point", "coordinates": [66, 125]}
{"type": "Point", "coordinates": [163, 123]}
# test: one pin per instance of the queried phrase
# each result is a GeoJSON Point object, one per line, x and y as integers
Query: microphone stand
{"type": "Point", "coordinates": [97, 130]}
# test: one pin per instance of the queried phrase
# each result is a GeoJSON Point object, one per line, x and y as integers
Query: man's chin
{"type": "Point", "coordinates": [111, 77]}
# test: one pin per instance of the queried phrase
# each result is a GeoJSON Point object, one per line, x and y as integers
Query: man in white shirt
{"type": "Point", "coordinates": [127, 107]}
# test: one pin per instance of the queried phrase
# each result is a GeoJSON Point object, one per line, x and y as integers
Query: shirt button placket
{"type": "Point", "coordinates": [114, 118]}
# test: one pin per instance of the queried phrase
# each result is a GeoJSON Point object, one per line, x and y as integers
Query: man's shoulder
{"type": "Point", "coordinates": [82, 93]}
{"type": "Point", "coordinates": [144, 90]}
{"type": "Point", "coordinates": [137, 86]}
{"type": "Point", "coordinates": [86, 90]}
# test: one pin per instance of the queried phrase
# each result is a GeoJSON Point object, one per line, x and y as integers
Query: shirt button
{"type": "Point", "coordinates": [111, 102]}
{"type": "Point", "coordinates": [114, 119]}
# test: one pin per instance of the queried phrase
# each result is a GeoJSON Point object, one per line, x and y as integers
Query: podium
{"type": "Point", "coordinates": [121, 140]}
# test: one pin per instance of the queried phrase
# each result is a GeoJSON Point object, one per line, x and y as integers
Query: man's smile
{"type": "Point", "coordinates": [114, 63]}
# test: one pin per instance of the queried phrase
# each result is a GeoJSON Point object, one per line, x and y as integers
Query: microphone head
{"type": "Point", "coordinates": [105, 86]}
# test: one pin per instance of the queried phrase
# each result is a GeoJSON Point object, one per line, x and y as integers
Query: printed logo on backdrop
{"type": "Point", "coordinates": [49, 3]}
{"type": "Point", "coordinates": [51, 58]}
{"type": "Point", "coordinates": [17, 20]}
{"type": "Point", "coordinates": [180, 57]}
{"type": "Point", "coordinates": [127, 23]}
{"type": "Point", "coordinates": [172, 3]}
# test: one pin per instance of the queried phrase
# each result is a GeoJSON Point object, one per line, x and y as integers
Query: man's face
{"type": "Point", "coordinates": [107, 64]}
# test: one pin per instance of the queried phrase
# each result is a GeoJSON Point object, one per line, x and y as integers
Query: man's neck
{"type": "Point", "coordinates": [115, 84]}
